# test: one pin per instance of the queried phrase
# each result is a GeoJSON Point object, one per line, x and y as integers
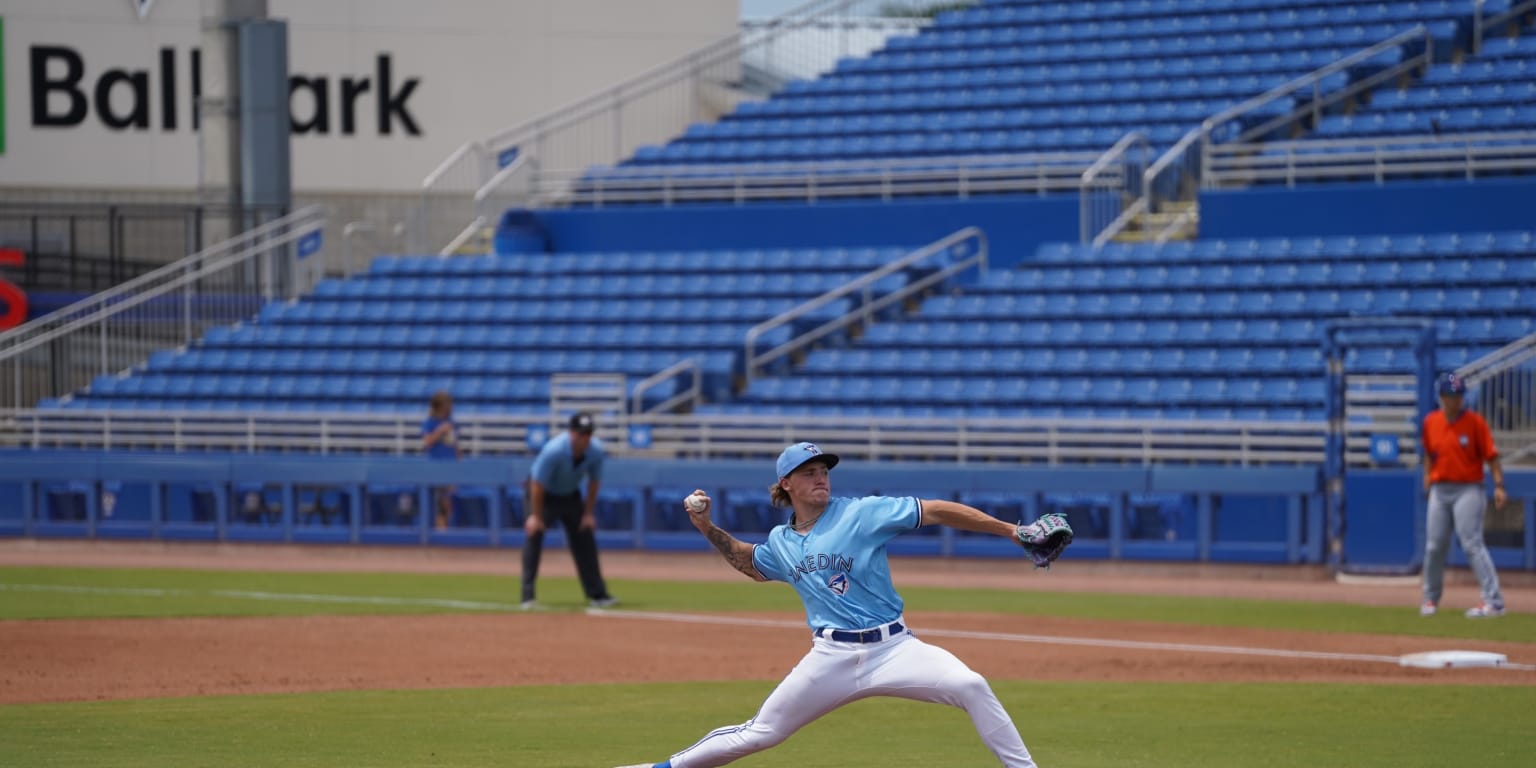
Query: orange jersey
{"type": "Point", "coordinates": [1456, 450]}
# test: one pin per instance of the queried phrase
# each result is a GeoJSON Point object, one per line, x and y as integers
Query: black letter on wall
{"type": "Point", "coordinates": [74, 69]}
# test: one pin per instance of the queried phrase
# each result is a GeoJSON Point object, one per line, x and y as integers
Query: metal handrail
{"type": "Point", "coordinates": [1514, 353]}
{"type": "Point", "coordinates": [459, 153]}
{"type": "Point", "coordinates": [464, 236]}
{"type": "Point", "coordinates": [1081, 159]}
{"type": "Point", "coordinates": [1466, 154]}
{"type": "Point", "coordinates": [88, 247]}
{"type": "Point", "coordinates": [1201, 134]}
{"type": "Point", "coordinates": [497, 180]}
{"type": "Point", "coordinates": [1042, 440]}
{"type": "Point", "coordinates": [751, 360]}
{"type": "Point", "coordinates": [1315, 77]}
{"type": "Point", "coordinates": [1175, 227]}
{"type": "Point", "coordinates": [95, 302]}
{"type": "Point", "coordinates": [877, 177]}
{"type": "Point", "coordinates": [1503, 385]}
{"type": "Point", "coordinates": [1168, 158]}
{"type": "Point", "coordinates": [93, 309]}
{"type": "Point", "coordinates": [142, 297]}
{"type": "Point", "coordinates": [1513, 138]}
{"type": "Point", "coordinates": [1088, 229]}
{"type": "Point", "coordinates": [224, 284]}
{"type": "Point", "coordinates": [690, 395]}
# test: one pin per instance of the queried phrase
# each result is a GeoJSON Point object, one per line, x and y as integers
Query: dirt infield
{"type": "Point", "coordinates": [73, 660]}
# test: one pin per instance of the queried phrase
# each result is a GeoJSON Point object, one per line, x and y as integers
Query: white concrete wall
{"type": "Point", "coordinates": [479, 66]}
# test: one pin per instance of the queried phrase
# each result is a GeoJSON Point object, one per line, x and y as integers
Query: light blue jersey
{"type": "Point", "coordinates": [839, 567]}
{"type": "Point", "coordinates": [556, 469]}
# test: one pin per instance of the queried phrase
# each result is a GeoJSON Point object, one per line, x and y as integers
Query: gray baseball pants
{"type": "Point", "coordinates": [1461, 505]}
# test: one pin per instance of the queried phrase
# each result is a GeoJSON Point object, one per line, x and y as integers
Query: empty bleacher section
{"type": "Point", "coordinates": [989, 80]}
{"type": "Point", "coordinates": [1468, 117]}
{"type": "Point", "coordinates": [1024, 84]}
{"type": "Point", "coordinates": [493, 329]}
{"type": "Point", "coordinates": [1493, 91]}
{"type": "Point", "coordinates": [1215, 329]}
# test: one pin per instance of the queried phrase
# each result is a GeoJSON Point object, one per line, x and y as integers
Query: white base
{"type": "Point", "coordinates": [1453, 659]}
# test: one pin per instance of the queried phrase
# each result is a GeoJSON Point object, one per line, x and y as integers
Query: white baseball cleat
{"type": "Point", "coordinates": [607, 602]}
{"type": "Point", "coordinates": [531, 605]}
{"type": "Point", "coordinates": [1427, 609]}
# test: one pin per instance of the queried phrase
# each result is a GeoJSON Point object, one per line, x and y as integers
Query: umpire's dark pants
{"type": "Point", "coordinates": [567, 509]}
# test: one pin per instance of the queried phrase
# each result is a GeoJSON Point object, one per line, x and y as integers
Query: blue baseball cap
{"type": "Point", "coordinates": [1451, 384]}
{"type": "Point", "coordinates": [797, 455]}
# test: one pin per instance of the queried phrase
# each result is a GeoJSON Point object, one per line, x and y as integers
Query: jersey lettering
{"type": "Point", "coordinates": [822, 562]}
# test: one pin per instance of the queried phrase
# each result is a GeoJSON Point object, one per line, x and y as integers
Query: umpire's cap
{"type": "Point", "coordinates": [1451, 384]}
{"type": "Point", "coordinates": [799, 454]}
{"type": "Point", "coordinates": [583, 423]}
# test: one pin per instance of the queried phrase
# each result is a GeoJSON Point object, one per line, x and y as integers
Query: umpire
{"type": "Point", "coordinates": [554, 488]}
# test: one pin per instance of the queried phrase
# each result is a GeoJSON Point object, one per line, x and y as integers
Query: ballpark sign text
{"type": "Point", "coordinates": [65, 93]}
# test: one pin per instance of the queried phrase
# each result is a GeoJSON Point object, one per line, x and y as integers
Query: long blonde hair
{"type": "Point", "coordinates": [777, 496]}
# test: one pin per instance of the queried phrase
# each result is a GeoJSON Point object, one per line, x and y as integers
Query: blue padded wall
{"type": "Point", "coordinates": [1385, 513]}
{"type": "Point", "coordinates": [1014, 227]}
{"type": "Point", "coordinates": [1398, 208]}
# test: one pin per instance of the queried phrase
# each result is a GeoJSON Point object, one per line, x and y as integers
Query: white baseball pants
{"type": "Point", "coordinates": [837, 673]}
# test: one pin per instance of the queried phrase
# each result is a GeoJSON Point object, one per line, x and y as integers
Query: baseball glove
{"type": "Point", "coordinates": [1045, 539]}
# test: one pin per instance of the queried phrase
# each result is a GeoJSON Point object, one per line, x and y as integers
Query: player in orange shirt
{"type": "Point", "coordinates": [1456, 443]}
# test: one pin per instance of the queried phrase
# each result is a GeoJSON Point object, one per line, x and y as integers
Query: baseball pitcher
{"type": "Point", "coordinates": [832, 551]}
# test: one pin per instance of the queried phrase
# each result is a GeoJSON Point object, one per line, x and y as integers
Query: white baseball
{"type": "Point", "coordinates": [696, 503]}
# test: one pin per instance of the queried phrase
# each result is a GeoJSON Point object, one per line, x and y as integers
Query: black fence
{"type": "Point", "coordinates": [89, 247]}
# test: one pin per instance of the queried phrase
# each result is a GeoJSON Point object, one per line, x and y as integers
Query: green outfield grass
{"type": "Point", "coordinates": [44, 593]}
{"type": "Point", "coordinates": [1082, 725]}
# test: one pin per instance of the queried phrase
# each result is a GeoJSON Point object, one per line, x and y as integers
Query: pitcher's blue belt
{"type": "Point", "coordinates": [865, 636]}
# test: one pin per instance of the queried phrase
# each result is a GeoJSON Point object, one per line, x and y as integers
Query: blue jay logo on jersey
{"type": "Point", "coordinates": [839, 584]}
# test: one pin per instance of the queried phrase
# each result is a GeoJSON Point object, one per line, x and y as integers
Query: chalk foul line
{"type": "Point", "coordinates": [692, 618]}
{"type": "Point", "coordinates": [1095, 642]}
{"type": "Point", "coordinates": [280, 597]}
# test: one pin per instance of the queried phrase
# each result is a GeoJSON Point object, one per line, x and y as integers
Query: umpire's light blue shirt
{"type": "Point", "coordinates": [557, 471]}
{"type": "Point", "coordinates": [839, 567]}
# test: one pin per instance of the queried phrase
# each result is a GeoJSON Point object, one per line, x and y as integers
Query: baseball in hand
{"type": "Point", "coordinates": [696, 503]}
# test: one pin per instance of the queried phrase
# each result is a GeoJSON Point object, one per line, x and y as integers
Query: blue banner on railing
{"type": "Point", "coordinates": [507, 157]}
{"type": "Point", "coordinates": [537, 436]}
{"type": "Point", "coordinates": [310, 244]}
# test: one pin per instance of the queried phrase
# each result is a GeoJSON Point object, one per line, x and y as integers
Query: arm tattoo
{"type": "Point", "coordinates": [737, 553]}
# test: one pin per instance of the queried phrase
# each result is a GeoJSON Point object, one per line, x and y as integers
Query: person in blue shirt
{"type": "Point", "coordinates": [440, 439]}
{"type": "Point", "coordinates": [554, 493]}
{"type": "Point", "coordinates": [832, 551]}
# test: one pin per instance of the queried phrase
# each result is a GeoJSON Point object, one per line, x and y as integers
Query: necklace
{"type": "Point", "coordinates": [803, 526]}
